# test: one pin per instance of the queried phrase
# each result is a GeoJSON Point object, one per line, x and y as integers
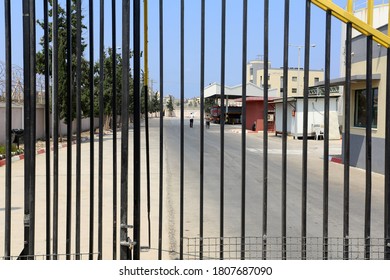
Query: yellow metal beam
{"type": "Point", "coordinates": [358, 24]}
{"type": "Point", "coordinates": [350, 6]}
{"type": "Point", "coordinates": [370, 11]}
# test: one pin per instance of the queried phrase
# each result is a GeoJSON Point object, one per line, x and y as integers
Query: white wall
{"type": "Point", "coordinates": [17, 122]}
{"type": "Point", "coordinates": [315, 116]}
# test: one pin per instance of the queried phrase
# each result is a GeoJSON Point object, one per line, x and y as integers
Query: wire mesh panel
{"type": "Point", "coordinates": [254, 248]}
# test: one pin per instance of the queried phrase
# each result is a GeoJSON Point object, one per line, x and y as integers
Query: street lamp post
{"type": "Point", "coordinates": [299, 63]}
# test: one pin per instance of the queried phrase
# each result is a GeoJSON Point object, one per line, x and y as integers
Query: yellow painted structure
{"type": "Point", "coordinates": [347, 16]}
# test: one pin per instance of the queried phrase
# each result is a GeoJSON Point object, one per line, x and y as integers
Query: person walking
{"type": "Point", "coordinates": [191, 119]}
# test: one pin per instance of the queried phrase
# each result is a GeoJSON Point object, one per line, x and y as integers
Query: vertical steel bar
{"type": "Point", "coordinates": [161, 148]}
{"type": "Point", "coordinates": [202, 71]}
{"type": "Point", "coordinates": [69, 116]}
{"type": "Point", "coordinates": [387, 157]}
{"type": "Point", "coordinates": [31, 250]}
{"type": "Point", "coordinates": [101, 116]}
{"type": "Point", "coordinates": [146, 96]}
{"type": "Point", "coordinates": [55, 129]}
{"type": "Point", "coordinates": [125, 129]}
{"type": "Point", "coordinates": [181, 127]}
{"type": "Point", "coordinates": [8, 80]}
{"type": "Point", "coordinates": [243, 130]}
{"type": "Point", "coordinates": [347, 137]}
{"type": "Point", "coordinates": [137, 129]}
{"type": "Point", "coordinates": [284, 134]}
{"type": "Point", "coordinates": [222, 131]}
{"type": "Point", "coordinates": [78, 148]}
{"type": "Point", "coordinates": [91, 133]}
{"type": "Point", "coordinates": [305, 128]}
{"type": "Point", "coordinates": [325, 221]}
{"type": "Point", "coordinates": [27, 124]}
{"type": "Point", "coordinates": [265, 132]}
{"type": "Point", "coordinates": [387, 165]}
{"type": "Point", "coordinates": [369, 112]}
{"type": "Point", "coordinates": [47, 124]}
{"type": "Point", "coordinates": [114, 132]}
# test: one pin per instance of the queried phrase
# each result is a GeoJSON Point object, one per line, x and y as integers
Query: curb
{"type": "Point", "coordinates": [336, 160]}
{"type": "Point", "coordinates": [39, 152]}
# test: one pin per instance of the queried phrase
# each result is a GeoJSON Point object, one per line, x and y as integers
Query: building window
{"type": "Point", "coordinates": [360, 108]}
{"type": "Point", "coordinates": [251, 71]}
{"type": "Point", "coordinates": [269, 77]}
{"type": "Point", "coordinates": [294, 79]}
{"type": "Point", "coordinates": [294, 90]}
{"type": "Point", "coordinates": [251, 81]}
{"type": "Point", "coordinates": [316, 79]}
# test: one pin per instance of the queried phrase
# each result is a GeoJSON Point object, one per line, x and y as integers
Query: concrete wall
{"type": "Point", "coordinates": [17, 122]}
{"type": "Point", "coordinates": [358, 153]}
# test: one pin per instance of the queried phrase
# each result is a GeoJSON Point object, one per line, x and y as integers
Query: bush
{"type": "Point", "coordinates": [14, 148]}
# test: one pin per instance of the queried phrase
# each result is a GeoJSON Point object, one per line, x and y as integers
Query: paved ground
{"type": "Point", "coordinates": [232, 183]}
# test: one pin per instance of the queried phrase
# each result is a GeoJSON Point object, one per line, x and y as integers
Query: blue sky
{"type": "Point", "coordinates": [213, 38]}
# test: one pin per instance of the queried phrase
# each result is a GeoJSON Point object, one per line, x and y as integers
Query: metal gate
{"type": "Point", "coordinates": [63, 212]}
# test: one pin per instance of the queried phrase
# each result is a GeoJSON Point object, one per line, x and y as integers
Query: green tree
{"type": "Point", "coordinates": [155, 103]}
{"type": "Point", "coordinates": [208, 104]}
{"type": "Point", "coordinates": [108, 89]}
{"type": "Point", "coordinates": [62, 55]}
{"type": "Point", "coordinates": [170, 105]}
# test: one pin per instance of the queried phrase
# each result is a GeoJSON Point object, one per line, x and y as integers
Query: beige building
{"type": "Point", "coordinates": [255, 70]}
{"type": "Point", "coordinates": [357, 117]}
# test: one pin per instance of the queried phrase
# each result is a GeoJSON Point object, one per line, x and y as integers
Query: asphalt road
{"type": "Point", "coordinates": [233, 205]}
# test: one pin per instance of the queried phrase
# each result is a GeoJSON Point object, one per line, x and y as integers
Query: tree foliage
{"type": "Point", "coordinates": [62, 61]}
{"type": "Point", "coordinates": [170, 104]}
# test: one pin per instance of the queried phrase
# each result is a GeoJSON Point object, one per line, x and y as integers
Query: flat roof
{"type": "Point", "coordinates": [354, 79]}
{"type": "Point", "coordinates": [294, 98]}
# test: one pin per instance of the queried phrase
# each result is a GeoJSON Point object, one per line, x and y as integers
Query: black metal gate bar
{"type": "Point", "coordinates": [181, 127]}
{"type": "Point", "coordinates": [202, 69]}
{"type": "Point", "coordinates": [284, 134]}
{"type": "Point", "coordinates": [91, 132]}
{"type": "Point", "coordinates": [47, 123]}
{"type": "Point", "coordinates": [8, 182]}
{"type": "Point", "coordinates": [369, 104]}
{"type": "Point", "coordinates": [265, 133]}
{"type": "Point", "coordinates": [55, 129]}
{"type": "Point", "coordinates": [325, 220]}
{"type": "Point", "coordinates": [101, 116]}
{"type": "Point", "coordinates": [27, 125]}
{"type": "Point", "coordinates": [33, 105]}
{"type": "Point", "coordinates": [114, 134]}
{"type": "Point", "coordinates": [69, 129]}
{"type": "Point", "coordinates": [347, 129]}
{"type": "Point", "coordinates": [124, 248]}
{"type": "Point", "coordinates": [146, 98]}
{"type": "Point", "coordinates": [137, 129]}
{"type": "Point", "coordinates": [222, 131]}
{"type": "Point", "coordinates": [78, 115]}
{"type": "Point", "coordinates": [305, 129]}
{"type": "Point", "coordinates": [387, 164]}
{"type": "Point", "coordinates": [161, 148]}
{"type": "Point", "coordinates": [243, 127]}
